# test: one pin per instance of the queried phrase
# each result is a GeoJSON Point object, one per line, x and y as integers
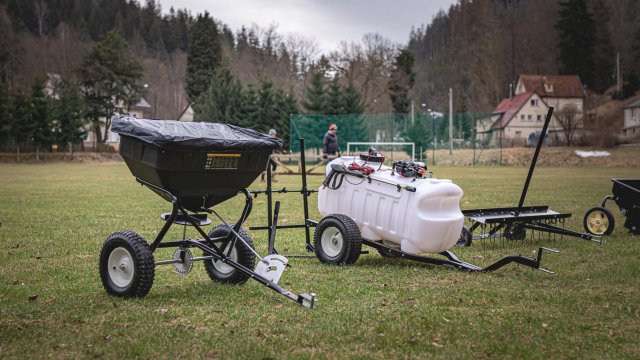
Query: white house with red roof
{"type": "Point", "coordinates": [519, 119]}
{"type": "Point", "coordinates": [559, 91]}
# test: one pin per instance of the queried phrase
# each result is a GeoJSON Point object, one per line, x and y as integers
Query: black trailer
{"type": "Point", "coordinates": [626, 194]}
{"type": "Point", "coordinates": [194, 166]}
{"type": "Point", "coordinates": [514, 223]}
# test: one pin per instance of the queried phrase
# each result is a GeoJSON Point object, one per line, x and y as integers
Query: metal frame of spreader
{"type": "Point", "coordinates": [180, 216]}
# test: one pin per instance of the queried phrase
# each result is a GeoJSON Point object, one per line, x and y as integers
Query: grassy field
{"type": "Point", "coordinates": [52, 304]}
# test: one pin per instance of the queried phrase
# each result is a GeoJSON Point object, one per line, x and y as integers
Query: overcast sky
{"type": "Point", "coordinates": [326, 21]}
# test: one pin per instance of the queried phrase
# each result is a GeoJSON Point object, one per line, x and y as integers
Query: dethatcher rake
{"type": "Point", "coordinates": [520, 222]}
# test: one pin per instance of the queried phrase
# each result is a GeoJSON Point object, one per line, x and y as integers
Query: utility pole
{"type": "Point", "coordinates": [450, 121]}
{"type": "Point", "coordinates": [618, 77]}
{"type": "Point", "coordinates": [475, 123]}
{"type": "Point", "coordinates": [412, 112]}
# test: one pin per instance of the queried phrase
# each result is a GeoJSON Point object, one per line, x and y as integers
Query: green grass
{"type": "Point", "coordinates": [56, 217]}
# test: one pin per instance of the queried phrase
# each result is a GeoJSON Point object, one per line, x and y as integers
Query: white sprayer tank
{"type": "Point", "coordinates": [428, 220]}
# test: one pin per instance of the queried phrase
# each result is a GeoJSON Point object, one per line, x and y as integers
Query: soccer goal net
{"type": "Point", "coordinates": [392, 150]}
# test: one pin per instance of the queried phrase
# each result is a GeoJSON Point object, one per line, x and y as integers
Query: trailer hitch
{"type": "Point", "coordinates": [523, 260]}
{"type": "Point", "coordinates": [453, 261]}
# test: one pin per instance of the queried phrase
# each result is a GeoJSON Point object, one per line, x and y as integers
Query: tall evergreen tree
{"type": "Point", "coordinates": [314, 102]}
{"type": "Point", "coordinates": [604, 54]}
{"type": "Point", "coordinates": [287, 105]}
{"type": "Point", "coordinates": [22, 125]}
{"type": "Point", "coordinates": [42, 132]}
{"type": "Point", "coordinates": [268, 111]}
{"type": "Point", "coordinates": [68, 113]}
{"type": "Point", "coordinates": [109, 76]}
{"type": "Point", "coordinates": [204, 56]}
{"type": "Point", "coordinates": [6, 115]}
{"type": "Point", "coordinates": [249, 110]}
{"type": "Point", "coordinates": [402, 81]}
{"type": "Point", "coordinates": [352, 100]}
{"type": "Point", "coordinates": [222, 102]}
{"type": "Point", "coordinates": [576, 39]}
{"type": "Point", "coordinates": [334, 104]}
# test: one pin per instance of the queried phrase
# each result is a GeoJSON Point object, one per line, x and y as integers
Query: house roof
{"type": "Point", "coordinates": [509, 107]}
{"type": "Point", "coordinates": [563, 85]}
{"type": "Point", "coordinates": [142, 104]}
{"type": "Point", "coordinates": [634, 104]}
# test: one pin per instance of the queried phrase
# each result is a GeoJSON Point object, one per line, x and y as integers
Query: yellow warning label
{"type": "Point", "coordinates": [222, 161]}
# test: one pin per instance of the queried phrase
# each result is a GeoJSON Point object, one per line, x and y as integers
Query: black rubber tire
{"type": "Point", "coordinates": [607, 214]}
{"type": "Point", "coordinates": [351, 240]}
{"type": "Point", "coordinates": [466, 238]}
{"type": "Point", "coordinates": [143, 264]}
{"type": "Point", "coordinates": [245, 258]}
{"type": "Point", "coordinates": [514, 231]}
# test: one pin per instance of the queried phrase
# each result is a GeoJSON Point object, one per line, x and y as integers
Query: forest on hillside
{"type": "Point", "coordinates": [478, 48]}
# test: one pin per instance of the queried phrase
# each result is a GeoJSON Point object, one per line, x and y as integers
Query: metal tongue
{"type": "Point", "coordinates": [271, 267]}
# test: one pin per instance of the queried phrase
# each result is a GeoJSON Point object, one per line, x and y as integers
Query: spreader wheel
{"type": "Point", "coordinates": [337, 240]}
{"type": "Point", "coordinates": [126, 265]}
{"type": "Point", "coordinates": [225, 273]}
{"type": "Point", "coordinates": [599, 221]}
{"type": "Point", "coordinates": [465, 237]}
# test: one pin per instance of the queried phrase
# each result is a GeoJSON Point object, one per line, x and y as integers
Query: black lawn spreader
{"type": "Point", "coordinates": [626, 194]}
{"type": "Point", "coordinates": [194, 166]}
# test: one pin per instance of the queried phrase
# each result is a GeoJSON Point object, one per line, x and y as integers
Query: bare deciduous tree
{"type": "Point", "coordinates": [570, 121]}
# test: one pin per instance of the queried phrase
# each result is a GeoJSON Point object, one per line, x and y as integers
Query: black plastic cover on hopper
{"type": "Point", "coordinates": [195, 135]}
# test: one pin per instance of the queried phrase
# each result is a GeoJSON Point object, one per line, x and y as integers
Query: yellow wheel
{"type": "Point", "coordinates": [599, 221]}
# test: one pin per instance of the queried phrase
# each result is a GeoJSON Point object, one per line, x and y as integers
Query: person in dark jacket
{"type": "Point", "coordinates": [271, 163]}
{"type": "Point", "coordinates": [330, 142]}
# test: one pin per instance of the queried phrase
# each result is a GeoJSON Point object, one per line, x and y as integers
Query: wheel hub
{"type": "Point", "coordinates": [331, 241]}
{"type": "Point", "coordinates": [121, 269]}
{"type": "Point", "coordinates": [223, 268]}
{"type": "Point", "coordinates": [597, 222]}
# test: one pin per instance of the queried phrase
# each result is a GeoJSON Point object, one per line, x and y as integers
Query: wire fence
{"type": "Point", "coordinates": [475, 138]}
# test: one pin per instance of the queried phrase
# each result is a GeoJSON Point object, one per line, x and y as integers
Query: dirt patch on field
{"type": "Point", "coordinates": [79, 157]}
{"type": "Point", "coordinates": [549, 156]}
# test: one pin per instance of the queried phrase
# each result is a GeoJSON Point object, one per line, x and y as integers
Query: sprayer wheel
{"type": "Point", "coordinates": [465, 237]}
{"type": "Point", "coordinates": [337, 240]}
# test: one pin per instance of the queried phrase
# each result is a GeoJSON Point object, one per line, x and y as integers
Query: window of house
{"type": "Point", "coordinates": [534, 102]}
{"type": "Point", "coordinates": [538, 117]}
{"type": "Point", "coordinates": [522, 117]}
{"type": "Point", "coordinates": [633, 112]}
{"type": "Point", "coordinates": [529, 117]}
{"type": "Point", "coordinates": [518, 134]}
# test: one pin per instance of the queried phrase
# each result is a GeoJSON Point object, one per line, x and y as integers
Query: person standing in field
{"type": "Point", "coordinates": [330, 142]}
{"type": "Point", "coordinates": [271, 163]}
